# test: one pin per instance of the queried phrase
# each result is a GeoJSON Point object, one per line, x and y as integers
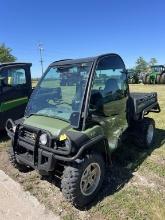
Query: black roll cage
{"type": "Point", "coordinates": [89, 84]}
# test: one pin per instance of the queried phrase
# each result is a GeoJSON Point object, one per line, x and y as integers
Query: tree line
{"type": "Point", "coordinates": [141, 65]}
{"type": "Point", "coordinates": [6, 54]}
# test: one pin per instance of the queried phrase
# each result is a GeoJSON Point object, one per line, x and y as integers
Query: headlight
{"type": "Point", "coordinates": [43, 139]}
{"type": "Point", "coordinates": [14, 128]}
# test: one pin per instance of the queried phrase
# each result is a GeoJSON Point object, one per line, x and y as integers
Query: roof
{"type": "Point", "coordinates": [73, 61]}
{"type": "Point", "coordinates": [80, 60]}
{"type": "Point", "coordinates": [14, 63]}
{"type": "Point", "coordinates": [158, 66]}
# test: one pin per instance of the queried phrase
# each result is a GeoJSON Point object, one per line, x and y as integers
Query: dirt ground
{"type": "Point", "coordinates": [134, 187]}
{"type": "Point", "coordinates": [16, 204]}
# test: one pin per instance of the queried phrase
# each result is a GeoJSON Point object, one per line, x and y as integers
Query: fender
{"type": "Point", "coordinates": [84, 147]}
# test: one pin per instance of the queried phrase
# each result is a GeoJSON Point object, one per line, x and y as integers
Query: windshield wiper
{"type": "Point", "coordinates": [27, 116]}
{"type": "Point", "coordinates": [48, 116]}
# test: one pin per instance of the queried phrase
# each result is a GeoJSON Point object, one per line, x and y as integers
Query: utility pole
{"type": "Point", "coordinates": [40, 46]}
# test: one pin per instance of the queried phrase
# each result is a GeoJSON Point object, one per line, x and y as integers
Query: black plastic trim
{"type": "Point", "coordinates": [82, 149]}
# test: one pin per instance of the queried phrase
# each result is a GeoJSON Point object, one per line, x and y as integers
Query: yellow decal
{"type": "Point", "coordinates": [63, 137]}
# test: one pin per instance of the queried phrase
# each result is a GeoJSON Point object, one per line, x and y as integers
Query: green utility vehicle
{"type": "Point", "coordinates": [156, 76]}
{"type": "Point", "coordinates": [15, 89]}
{"type": "Point", "coordinates": [71, 130]}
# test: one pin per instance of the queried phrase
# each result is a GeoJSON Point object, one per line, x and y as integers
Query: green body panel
{"type": "Point", "coordinates": [57, 127]}
{"type": "Point", "coordinates": [153, 74]}
{"type": "Point", "coordinates": [53, 125]}
{"type": "Point", "coordinates": [94, 131]}
{"type": "Point", "coordinates": [153, 77]}
{"type": "Point", "coordinates": [5, 106]}
{"type": "Point", "coordinates": [113, 126]}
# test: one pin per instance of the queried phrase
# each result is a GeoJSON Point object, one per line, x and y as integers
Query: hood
{"type": "Point", "coordinates": [53, 125]}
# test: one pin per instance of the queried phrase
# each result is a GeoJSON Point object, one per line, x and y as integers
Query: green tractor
{"type": "Point", "coordinates": [156, 76]}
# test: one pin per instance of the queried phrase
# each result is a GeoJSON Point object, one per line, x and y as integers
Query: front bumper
{"type": "Point", "coordinates": [29, 152]}
{"type": "Point", "coordinates": [46, 161]}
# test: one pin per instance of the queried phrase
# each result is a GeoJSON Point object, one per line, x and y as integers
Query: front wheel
{"type": "Point", "coordinates": [82, 181]}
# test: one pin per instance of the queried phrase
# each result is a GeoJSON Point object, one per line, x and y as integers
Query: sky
{"type": "Point", "coordinates": [74, 29]}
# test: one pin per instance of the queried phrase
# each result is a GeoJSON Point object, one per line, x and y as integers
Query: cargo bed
{"type": "Point", "coordinates": [143, 103]}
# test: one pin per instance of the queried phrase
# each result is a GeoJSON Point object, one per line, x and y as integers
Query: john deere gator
{"type": "Point", "coordinates": [70, 131]}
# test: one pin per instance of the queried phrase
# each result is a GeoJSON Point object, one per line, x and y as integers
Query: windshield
{"type": "Point", "coordinates": [12, 77]}
{"type": "Point", "coordinates": [157, 68]}
{"type": "Point", "coordinates": [60, 93]}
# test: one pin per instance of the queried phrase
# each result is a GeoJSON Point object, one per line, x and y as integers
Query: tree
{"type": "Point", "coordinates": [153, 61]}
{"type": "Point", "coordinates": [141, 65]}
{"type": "Point", "coordinates": [5, 54]}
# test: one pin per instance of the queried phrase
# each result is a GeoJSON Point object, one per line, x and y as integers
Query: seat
{"type": "Point", "coordinates": [111, 86]}
{"type": "Point", "coordinates": [96, 102]}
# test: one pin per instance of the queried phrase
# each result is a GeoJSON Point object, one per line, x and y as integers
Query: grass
{"type": "Point", "coordinates": [134, 187]}
{"type": "Point", "coordinates": [133, 203]}
{"type": "Point", "coordinates": [142, 195]}
{"type": "Point", "coordinates": [34, 83]}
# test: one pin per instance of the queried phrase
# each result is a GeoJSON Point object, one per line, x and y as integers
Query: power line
{"type": "Point", "coordinates": [41, 49]}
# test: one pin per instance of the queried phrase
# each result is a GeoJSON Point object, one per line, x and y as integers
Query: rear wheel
{"type": "Point", "coordinates": [158, 79]}
{"type": "Point", "coordinates": [82, 180]}
{"type": "Point", "coordinates": [162, 78]}
{"type": "Point", "coordinates": [130, 81]}
{"type": "Point", "coordinates": [144, 79]}
{"type": "Point", "coordinates": [144, 133]}
{"type": "Point", "coordinates": [153, 80]}
{"type": "Point", "coordinates": [148, 81]}
{"type": "Point", "coordinates": [133, 81]}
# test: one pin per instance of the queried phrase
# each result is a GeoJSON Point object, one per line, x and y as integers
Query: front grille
{"type": "Point", "coordinates": [27, 136]}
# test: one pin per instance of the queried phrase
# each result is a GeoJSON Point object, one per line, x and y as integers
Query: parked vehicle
{"type": "Point", "coordinates": [156, 76]}
{"type": "Point", "coordinates": [15, 89]}
{"type": "Point", "coordinates": [71, 131]}
{"type": "Point", "coordinates": [133, 77]}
